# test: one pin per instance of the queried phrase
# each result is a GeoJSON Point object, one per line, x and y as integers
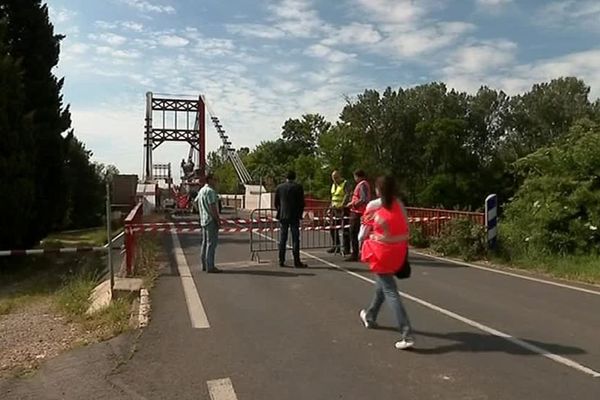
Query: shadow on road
{"type": "Point", "coordinates": [423, 262]}
{"type": "Point", "coordinates": [473, 342]}
{"type": "Point", "coordinates": [224, 239]}
{"type": "Point", "coordinates": [277, 274]}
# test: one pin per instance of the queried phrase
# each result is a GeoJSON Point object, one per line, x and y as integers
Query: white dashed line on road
{"type": "Point", "coordinates": [484, 328]}
{"type": "Point", "coordinates": [513, 274]}
{"type": "Point", "coordinates": [221, 389]}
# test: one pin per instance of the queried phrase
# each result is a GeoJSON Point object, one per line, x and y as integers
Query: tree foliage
{"type": "Point", "coordinates": [446, 148]}
{"type": "Point", "coordinates": [47, 179]}
{"type": "Point", "coordinates": [557, 208]}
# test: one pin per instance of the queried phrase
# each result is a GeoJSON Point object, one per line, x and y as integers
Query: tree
{"type": "Point", "coordinates": [223, 170]}
{"type": "Point", "coordinates": [85, 187]}
{"type": "Point", "coordinates": [544, 114]}
{"type": "Point", "coordinates": [16, 152]}
{"type": "Point", "coordinates": [557, 208]}
{"type": "Point", "coordinates": [31, 39]}
{"type": "Point", "coordinates": [303, 134]}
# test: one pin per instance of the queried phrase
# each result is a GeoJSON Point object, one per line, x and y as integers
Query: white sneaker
{"type": "Point", "coordinates": [363, 318]}
{"type": "Point", "coordinates": [405, 344]}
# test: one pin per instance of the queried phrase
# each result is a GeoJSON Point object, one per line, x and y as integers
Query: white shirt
{"type": "Point", "coordinates": [373, 205]}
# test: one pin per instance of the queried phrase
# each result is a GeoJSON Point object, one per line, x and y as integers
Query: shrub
{"type": "Point", "coordinates": [557, 209]}
{"type": "Point", "coordinates": [462, 237]}
{"type": "Point", "coordinates": [418, 238]}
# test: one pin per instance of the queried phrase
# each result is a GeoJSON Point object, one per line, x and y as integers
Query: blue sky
{"type": "Point", "coordinates": [260, 62]}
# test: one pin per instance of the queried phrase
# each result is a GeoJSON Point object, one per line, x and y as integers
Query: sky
{"type": "Point", "coordinates": [260, 62]}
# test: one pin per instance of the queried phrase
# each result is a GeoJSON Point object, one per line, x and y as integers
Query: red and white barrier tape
{"type": "Point", "coordinates": [150, 229]}
{"type": "Point", "coordinates": [241, 221]}
{"type": "Point", "coordinates": [7, 253]}
{"type": "Point", "coordinates": [237, 221]}
{"type": "Point", "coordinates": [194, 227]}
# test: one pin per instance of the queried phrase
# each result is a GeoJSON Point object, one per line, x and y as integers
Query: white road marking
{"type": "Point", "coordinates": [144, 308]}
{"type": "Point", "coordinates": [192, 298]}
{"type": "Point", "coordinates": [221, 389]}
{"type": "Point", "coordinates": [521, 343]}
{"type": "Point", "coordinates": [116, 238]}
{"type": "Point", "coordinates": [513, 274]}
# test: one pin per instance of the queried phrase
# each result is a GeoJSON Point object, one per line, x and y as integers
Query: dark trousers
{"type": "Point", "coordinates": [338, 219]}
{"type": "Point", "coordinates": [294, 226]}
{"type": "Point", "coordinates": [354, 229]}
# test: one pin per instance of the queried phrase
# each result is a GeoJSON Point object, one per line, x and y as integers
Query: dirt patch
{"type": "Point", "coordinates": [34, 333]}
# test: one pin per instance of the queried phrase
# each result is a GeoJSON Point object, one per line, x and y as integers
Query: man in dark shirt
{"type": "Point", "coordinates": [289, 202]}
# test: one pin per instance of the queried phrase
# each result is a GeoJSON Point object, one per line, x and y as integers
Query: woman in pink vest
{"type": "Point", "coordinates": [385, 247]}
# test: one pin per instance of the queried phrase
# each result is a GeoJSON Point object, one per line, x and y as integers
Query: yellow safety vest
{"type": "Point", "coordinates": [338, 192]}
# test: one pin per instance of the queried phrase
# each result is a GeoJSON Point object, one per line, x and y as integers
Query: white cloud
{"type": "Point", "coordinates": [405, 12]}
{"type": "Point", "coordinates": [329, 54]}
{"type": "Point", "coordinates": [132, 26]}
{"type": "Point", "coordinates": [420, 41]}
{"type": "Point", "coordinates": [118, 54]}
{"type": "Point", "coordinates": [353, 34]}
{"type": "Point", "coordinates": [493, 3]}
{"type": "Point", "coordinates": [482, 57]}
{"type": "Point", "coordinates": [255, 30]}
{"type": "Point", "coordinates": [109, 38]}
{"type": "Point", "coordinates": [109, 133]}
{"type": "Point", "coordinates": [124, 25]}
{"type": "Point", "coordinates": [517, 78]}
{"type": "Point", "coordinates": [297, 18]}
{"type": "Point", "coordinates": [571, 13]}
{"type": "Point", "coordinates": [148, 6]}
{"type": "Point", "coordinates": [173, 41]}
{"type": "Point", "coordinates": [60, 15]}
{"type": "Point", "coordinates": [407, 29]}
{"type": "Point", "coordinates": [286, 68]}
{"type": "Point", "coordinates": [215, 47]}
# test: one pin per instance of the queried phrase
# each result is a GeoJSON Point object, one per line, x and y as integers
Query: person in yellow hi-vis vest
{"type": "Point", "coordinates": [340, 194]}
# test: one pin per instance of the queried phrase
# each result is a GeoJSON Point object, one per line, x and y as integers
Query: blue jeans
{"type": "Point", "coordinates": [294, 226]}
{"type": "Point", "coordinates": [210, 237]}
{"type": "Point", "coordinates": [386, 289]}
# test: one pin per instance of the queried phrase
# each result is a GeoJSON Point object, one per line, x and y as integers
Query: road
{"type": "Point", "coordinates": [275, 333]}
{"type": "Point", "coordinates": [258, 331]}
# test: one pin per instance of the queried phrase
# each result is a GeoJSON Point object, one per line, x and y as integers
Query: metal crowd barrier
{"type": "Point", "coordinates": [315, 230]}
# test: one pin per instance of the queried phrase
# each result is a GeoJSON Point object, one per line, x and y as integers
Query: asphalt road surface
{"type": "Point", "coordinates": [258, 331]}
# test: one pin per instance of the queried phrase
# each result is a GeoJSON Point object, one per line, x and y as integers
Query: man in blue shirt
{"type": "Point", "coordinates": [208, 207]}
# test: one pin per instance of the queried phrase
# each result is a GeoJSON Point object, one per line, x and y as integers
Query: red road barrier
{"type": "Point", "coordinates": [134, 217]}
{"type": "Point", "coordinates": [314, 204]}
{"type": "Point", "coordinates": [432, 220]}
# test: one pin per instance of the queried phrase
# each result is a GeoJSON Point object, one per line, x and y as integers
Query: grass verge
{"type": "Point", "coordinates": [577, 268]}
{"type": "Point", "coordinates": [147, 259]}
{"type": "Point", "coordinates": [82, 237]}
{"type": "Point", "coordinates": [582, 268]}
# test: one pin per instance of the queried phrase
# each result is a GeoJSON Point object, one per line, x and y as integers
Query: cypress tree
{"type": "Point", "coordinates": [16, 151]}
{"type": "Point", "coordinates": [31, 39]}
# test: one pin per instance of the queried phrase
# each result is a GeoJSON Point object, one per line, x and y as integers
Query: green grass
{"type": "Point", "coordinates": [29, 279]}
{"type": "Point", "coordinates": [73, 299]}
{"type": "Point", "coordinates": [111, 321]}
{"type": "Point", "coordinates": [83, 237]}
{"type": "Point", "coordinates": [146, 259]}
{"type": "Point", "coordinates": [583, 268]}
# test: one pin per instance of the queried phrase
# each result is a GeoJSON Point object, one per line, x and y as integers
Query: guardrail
{"type": "Point", "coordinates": [134, 217]}
{"type": "Point", "coordinates": [432, 220]}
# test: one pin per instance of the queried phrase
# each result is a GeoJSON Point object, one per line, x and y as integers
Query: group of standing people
{"type": "Point", "coordinates": [377, 235]}
{"type": "Point", "coordinates": [348, 204]}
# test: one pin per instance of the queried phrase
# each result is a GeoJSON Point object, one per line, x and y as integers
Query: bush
{"type": "Point", "coordinates": [462, 237]}
{"type": "Point", "coordinates": [557, 208]}
{"type": "Point", "coordinates": [418, 238]}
